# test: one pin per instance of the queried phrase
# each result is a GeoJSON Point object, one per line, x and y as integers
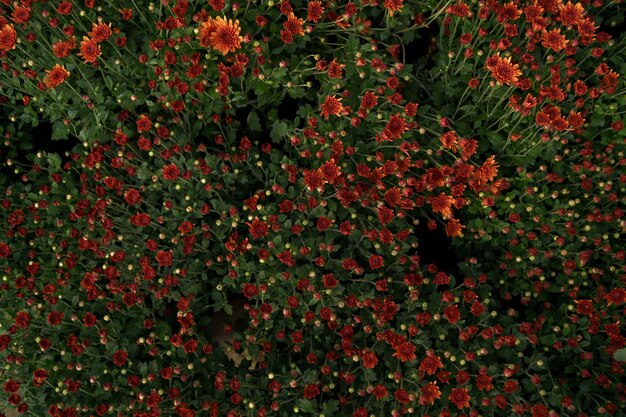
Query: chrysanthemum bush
{"type": "Point", "coordinates": [195, 181]}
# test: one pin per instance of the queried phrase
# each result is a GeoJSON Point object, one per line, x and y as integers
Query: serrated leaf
{"type": "Point", "coordinates": [279, 131]}
{"type": "Point", "coordinates": [254, 122]}
{"type": "Point", "coordinates": [54, 161]}
{"type": "Point", "coordinates": [620, 355]}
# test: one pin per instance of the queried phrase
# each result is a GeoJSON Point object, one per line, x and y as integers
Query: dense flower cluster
{"type": "Point", "coordinates": [280, 159]}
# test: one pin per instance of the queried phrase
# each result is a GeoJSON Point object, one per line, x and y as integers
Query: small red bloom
{"type": "Point", "coordinates": [120, 357]}
{"type": "Point", "coordinates": [430, 392]}
{"type": "Point", "coordinates": [331, 106]}
{"type": "Point", "coordinates": [132, 196]}
{"type": "Point", "coordinates": [258, 228]}
{"type": "Point", "coordinates": [405, 351]}
{"type": "Point", "coordinates": [170, 172]}
{"type": "Point", "coordinates": [143, 123]}
{"type": "Point", "coordinates": [164, 258]}
{"type": "Point", "coordinates": [459, 397]}
{"type": "Point", "coordinates": [376, 262]}
{"type": "Point", "coordinates": [39, 376]}
{"type": "Point", "coordinates": [369, 359]}
{"type": "Point", "coordinates": [140, 219]}
{"type": "Point", "coordinates": [431, 363]}
{"type": "Point", "coordinates": [311, 391]}
{"type": "Point", "coordinates": [5, 250]}
{"type": "Point", "coordinates": [55, 318]}
{"type": "Point", "coordinates": [379, 392]}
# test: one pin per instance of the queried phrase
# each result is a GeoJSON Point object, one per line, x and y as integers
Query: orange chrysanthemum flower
{"type": "Point", "coordinates": [487, 171]}
{"type": "Point", "coordinates": [571, 14]}
{"type": "Point", "coordinates": [553, 40]}
{"type": "Point", "coordinates": [89, 50]}
{"type": "Point", "coordinates": [503, 70]}
{"type": "Point", "coordinates": [460, 397]}
{"type": "Point", "coordinates": [454, 228]}
{"type": "Point", "coordinates": [100, 32]}
{"type": "Point", "coordinates": [225, 35]}
{"type": "Point", "coordinates": [294, 25]}
{"type": "Point", "coordinates": [8, 38]}
{"type": "Point", "coordinates": [429, 393]}
{"type": "Point", "coordinates": [393, 6]}
{"type": "Point", "coordinates": [332, 106]}
{"type": "Point", "coordinates": [315, 11]}
{"type": "Point", "coordinates": [204, 32]}
{"type": "Point", "coordinates": [442, 204]}
{"type": "Point", "coordinates": [57, 75]}
{"type": "Point", "coordinates": [62, 49]}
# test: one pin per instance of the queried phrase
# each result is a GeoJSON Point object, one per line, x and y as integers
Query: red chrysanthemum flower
{"type": "Point", "coordinates": [100, 32]}
{"type": "Point", "coordinates": [452, 314]}
{"type": "Point", "coordinates": [64, 8]}
{"type": "Point", "coordinates": [429, 393]}
{"type": "Point", "coordinates": [170, 172]}
{"type": "Point", "coordinates": [8, 38]}
{"type": "Point", "coordinates": [459, 397]}
{"type": "Point", "coordinates": [553, 40]}
{"type": "Point", "coordinates": [402, 396]}
{"type": "Point", "coordinates": [314, 179]}
{"type": "Point", "coordinates": [315, 11]}
{"type": "Point", "coordinates": [335, 69]}
{"type": "Point", "coordinates": [39, 376]}
{"type": "Point", "coordinates": [132, 196]}
{"type": "Point", "coordinates": [164, 258]}
{"type": "Point", "coordinates": [120, 357]}
{"type": "Point", "coordinates": [405, 351]}
{"type": "Point", "coordinates": [311, 391]}
{"type": "Point", "coordinates": [258, 228]}
{"type": "Point", "coordinates": [20, 14]}
{"type": "Point", "coordinates": [431, 363]}
{"type": "Point", "coordinates": [395, 127]}
{"type": "Point", "coordinates": [56, 76]}
{"type": "Point", "coordinates": [379, 392]}
{"type": "Point", "coordinates": [616, 296]}
{"type": "Point", "coordinates": [483, 381]}
{"type": "Point", "coordinates": [376, 262]}
{"type": "Point", "coordinates": [369, 359]}
{"type": "Point", "coordinates": [503, 70]}
{"type": "Point", "coordinates": [143, 123]}
{"type": "Point", "coordinates": [5, 250]}
{"type": "Point", "coordinates": [368, 101]}
{"type": "Point", "coordinates": [225, 36]}
{"type": "Point", "coordinates": [55, 318]}
{"type": "Point", "coordinates": [331, 106]}
{"type": "Point", "coordinates": [89, 50]}
{"type": "Point", "coordinates": [539, 410]}
{"type": "Point", "coordinates": [140, 219]}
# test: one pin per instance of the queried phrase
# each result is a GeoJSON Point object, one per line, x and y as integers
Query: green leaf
{"type": "Point", "coordinates": [279, 131]}
{"type": "Point", "coordinates": [620, 355]}
{"type": "Point", "coordinates": [54, 161]}
{"type": "Point", "coordinates": [254, 122]}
